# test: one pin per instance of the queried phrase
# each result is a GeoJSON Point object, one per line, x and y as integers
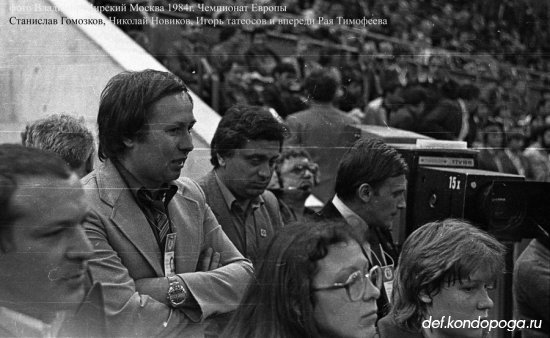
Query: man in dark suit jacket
{"type": "Point", "coordinates": [45, 286]}
{"type": "Point", "coordinates": [147, 229]}
{"type": "Point", "coordinates": [370, 192]}
{"type": "Point", "coordinates": [244, 149]}
{"type": "Point", "coordinates": [323, 130]}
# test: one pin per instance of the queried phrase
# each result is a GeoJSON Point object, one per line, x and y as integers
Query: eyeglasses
{"type": "Point", "coordinates": [301, 168]}
{"type": "Point", "coordinates": [355, 285]}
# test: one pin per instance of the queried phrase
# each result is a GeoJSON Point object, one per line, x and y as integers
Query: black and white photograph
{"type": "Point", "coordinates": [275, 169]}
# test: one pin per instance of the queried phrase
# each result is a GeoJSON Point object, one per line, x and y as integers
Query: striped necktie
{"type": "Point", "coordinates": [157, 215]}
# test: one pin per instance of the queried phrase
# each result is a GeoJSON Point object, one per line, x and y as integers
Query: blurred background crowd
{"type": "Point", "coordinates": [456, 70]}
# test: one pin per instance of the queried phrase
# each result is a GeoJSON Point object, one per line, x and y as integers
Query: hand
{"type": "Point", "coordinates": [209, 260]}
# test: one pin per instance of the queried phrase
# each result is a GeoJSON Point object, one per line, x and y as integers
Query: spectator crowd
{"type": "Point", "coordinates": [449, 70]}
{"type": "Point", "coordinates": [127, 246]}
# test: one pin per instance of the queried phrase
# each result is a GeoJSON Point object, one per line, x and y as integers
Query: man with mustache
{"type": "Point", "coordinates": [244, 149]}
{"type": "Point", "coordinates": [147, 229]}
{"type": "Point", "coordinates": [45, 286]}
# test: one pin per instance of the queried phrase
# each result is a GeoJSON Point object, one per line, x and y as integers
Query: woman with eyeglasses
{"type": "Point", "coordinates": [446, 270]}
{"type": "Point", "coordinates": [315, 280]}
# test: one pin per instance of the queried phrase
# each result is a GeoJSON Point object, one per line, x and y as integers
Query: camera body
{"type": "Point", "coordinates": [487, 199]}
{"type": "Point", "coordinates": [444, 181]}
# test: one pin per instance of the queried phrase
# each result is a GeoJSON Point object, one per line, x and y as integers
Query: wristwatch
{"type": "Point", "coordinates": [176, 292]}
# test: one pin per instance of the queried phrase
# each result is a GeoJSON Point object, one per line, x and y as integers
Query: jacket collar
{"type": "Point", "coordinates": [127, 215]}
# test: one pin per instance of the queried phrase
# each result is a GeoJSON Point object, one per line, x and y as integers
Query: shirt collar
{"type": "Point", "coordinates": [166, 190]}
{"type": "Point", "coordinates": [229, 198]}
{"type": "Point", "coordinates": [22, 325]}
{"type": "Point", "coordinates": [349, 215]}
{"type": "Point", "coordinates": [356, 222]}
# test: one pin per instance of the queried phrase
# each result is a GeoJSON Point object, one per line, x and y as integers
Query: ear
{"type": "Point", "coordinates": [129, 143]}
{"type": "Point", "coordinates": [221, 161]}
{"type": "Point", "coordinates": [424, 297]}
{"type": "Point", "coordinates": [365, 192]}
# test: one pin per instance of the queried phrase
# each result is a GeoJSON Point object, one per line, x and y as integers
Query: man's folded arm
{"type": "Point", "coordinates": [130, 310]}
{"type": "Point", "coordinates": [229, 281]}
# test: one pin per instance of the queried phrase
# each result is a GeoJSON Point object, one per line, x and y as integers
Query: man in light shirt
{"type": "Point", "coordinates": [370, 190]}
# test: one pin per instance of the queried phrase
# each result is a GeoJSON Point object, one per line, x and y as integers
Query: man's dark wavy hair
{"type": "Point", "coordinates": [242, 123]}
{"type": "Point", "coordinates": [371, 161]}
{"type": "Point", "coordinates": [125, 106]}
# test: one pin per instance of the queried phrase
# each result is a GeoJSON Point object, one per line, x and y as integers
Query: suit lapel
{"type": "Point", "coordinates": [329, 211]}
{"type": "Point", "coordinates": [187, 220]}
{"type": "Point", "coordinates": [128, 217]}
{"type": "Point", "coordinates": [218, 205]}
